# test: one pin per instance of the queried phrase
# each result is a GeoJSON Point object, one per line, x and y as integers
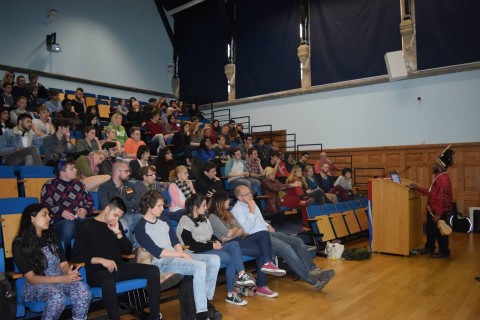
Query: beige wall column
{"type": "Point", "coordinates": [176, 86]}
{"type": "Point", "coordinates": [230, 73]}
{"type": "Point", "coordinates": [303, 52]}
{"type": "Point", "coordinates": [409, 40]}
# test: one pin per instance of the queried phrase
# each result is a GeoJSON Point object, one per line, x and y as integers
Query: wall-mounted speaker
{"type": "Point", "coordinates": [396, 67]}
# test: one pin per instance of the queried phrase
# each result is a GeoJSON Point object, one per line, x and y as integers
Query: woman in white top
{"type": "Point", "coordinates": [179, 190]}
{"type": "Point", "coordinates": [42, 126]}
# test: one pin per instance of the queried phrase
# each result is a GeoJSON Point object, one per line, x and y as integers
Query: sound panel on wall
{"type": "Point", "coordinates": [396, 67]}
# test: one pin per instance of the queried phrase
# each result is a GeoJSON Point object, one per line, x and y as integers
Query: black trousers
{"type": "Point", "coordinates": [126, 271]}
{"type": "Point", "coordinates": [434, 235]}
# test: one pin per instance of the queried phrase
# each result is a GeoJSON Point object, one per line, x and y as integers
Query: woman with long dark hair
{"type": "Point", "coordinates": [195, 230]}
{"type": "Point", "coordinates": [38, 254]}
{"type": "Point", "coordinates": [164, 164]}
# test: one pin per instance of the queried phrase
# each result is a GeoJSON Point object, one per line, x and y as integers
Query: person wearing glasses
{"type": "Point", "coordinates": [119, 186]}
{"type": "Point", "coordinates": [148, 181]}
{"type": "Point", "coordinates": [291, 249]}
{"type": "Point", "coordinates": [68, 199]}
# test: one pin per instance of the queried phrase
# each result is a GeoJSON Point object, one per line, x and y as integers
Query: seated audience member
{"type": "Point", "coordinates": [111, 151]}
{"type": "Point", "coordinates": [164, 164]}
{"type": "Point", "coordinates": [274, 162]}
{"type": "Point", "coordinates": [92, 119]}
{"type": "Point", "coordinates": [21, 106]}
{"type": "Point", "coordinates": [262, 150]}
{"type": "Point", "coordinates": [303, 161]}
{"type": "Point", "coordinates": [216, 126]}
{"type": "Point", "coordinates": [246, 145]}
{"type": "Point", "coordinates": [43, 126]}
{"type": "Point", "coordinates": [324, 159]}
{"type": "Point", "coordinates": [68, 114]}
{"type": "Point", "coordinates": [149, 107]}
{"type": "Point", "coordinates": [345, 181]}
{"type": "Point", "coordinates": [156, 131]}
{"type": "Point", "coordinates": [240, 134]}
{"type": "Point", "coordinates": [100, 244]}
{"type": "Point", "coordinates": [193, 111]}
{"type": "Point", "coordinates": [327, 183]}
{"type": "Point", "coordinates": [227, 229]}
{"type": "Point", "coordinates": [179, 190]}
{"type": "Point", "coordinates": [19, 146]}
{"type": "Point", "coordinates": [54, 105]}
{"type": "Point", "coordinates": [312, 189]}
{"type": "Point", "coordinates": [156, 235]}
{"type": "Point", "coordinates": [90, 143]}
{"type": "Point", "coordinates": [120, 133]}
{"type": "Point", "coordinates": [5, 120]}
{"type": "Point", "coordinates": [111, 136]}
{"type": "Point", "coordinates": [6, 98]}
{"type": "Point", "coordinates": [172, 126]}
{"type": "Point", "coordinates": [181, 143]}
{"type": "Point", "coordinates": [132, 143]}
{"type": "Point", "coordinates": [68, 200]}
{"type": "Point", "coordinates": [148, 181]}
{"type": "Point", "coordinates": [119, 186]}
{"type": "Point", "coordinates": [291, 249]}
{"type": "Point", "coordinates": [33, 102]}
{"type": "Point", "coordinates": [225, 132]}
{"type": "Point", "coordinates": [254, 165]}
{"type": "Point", "coordinates": [195, 231]}
{"type": "Point", "coordinates": [58, 145]}
{"type": "Point", "coordinates": [232, 130]}
{"type": "Point", "coordinates": [39, 256]}
{"type": "Point", "coordinates": [165, 114]}
{"type": "Point", "coordinates": [195, 133]}
{"type": "Point", "coordinates": [205, 151]}
{"type": "Point", "coordinates": [20, 90]}
{"type": "Point", "coordinates": [121, 108]}
{"type": "Point", "coordinates": [207, 182]}
{"type": "Point", "coordinates": [209, 133]}
{"type": "Point", "coordinates": [143, 154]}
{"type": "Point", "coordinates": [9, 77]}
{"type": "Point", "coordinates": [222, 151]}
{"type": "Point", "coordinates": [135, 117]}
{"type": "Point", "coordinates": [35, 85]}
{"type": "Point", "coordinates": [238, 174]}
{"type": "Point", "coordinates": [79, 105]}
{"type": "Point", "coordinates": [88, 170]}
{"type": "Point", "coordinates": [291, 162]}
{"type": "Point", "coordinates": [292, 198]}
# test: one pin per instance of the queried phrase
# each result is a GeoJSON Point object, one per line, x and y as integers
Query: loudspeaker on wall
{"type": "Point", "coordinates": [396, 67]}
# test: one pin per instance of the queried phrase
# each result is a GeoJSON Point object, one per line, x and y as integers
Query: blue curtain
{"type": "Point", "coordinates": [267, 37]}
{"type": "Point", "coordinates": [202, 37]}
{"type": "Point", "coordinates": [349, 38]}
{"type": "Point", "coordinates": [448, 32]}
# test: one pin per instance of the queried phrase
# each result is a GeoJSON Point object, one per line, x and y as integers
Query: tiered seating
{"type": "Point", "coordinates": [343, 220]}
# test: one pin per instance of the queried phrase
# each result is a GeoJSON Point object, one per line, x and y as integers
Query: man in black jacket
{"type": "Point", "coordinates": [208, 183]}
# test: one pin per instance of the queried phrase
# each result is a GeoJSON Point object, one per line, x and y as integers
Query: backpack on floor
{"type": "Point", "coordinates": [458, 222]}
{"type": "Point", "coordinates": [356, 254]}
{"type": "Point", "coordinates": [187, 299]}
{"type": "Point", "coordinates": [8, 299]}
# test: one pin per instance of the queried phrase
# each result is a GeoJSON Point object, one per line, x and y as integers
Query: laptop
{"type": "Point", "coordinates": [394, 176]}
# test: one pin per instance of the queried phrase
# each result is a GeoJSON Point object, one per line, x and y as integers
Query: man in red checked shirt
{"type": "Point", "coordinates": [440, 201]}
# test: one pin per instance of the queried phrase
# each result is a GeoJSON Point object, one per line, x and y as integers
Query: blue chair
{"type": "Point", "coordinates": [341, 206]}
{"type": "Point", "coordinates": [364, 202]}
{"type": "Point", "coordinates": [353, 204]}
{"type": "Point", "coordinates": [20, 307]}
{"type": "Point", "coordinates": [33, 178]}
{"type": "Point", "coordinates": [96, 201]}
{"type": "Point", "coordinates": [228, 186]}
{"type": "Point", "coordinates": [102, 97]}
{"type": "Point", "coordinates": [183, 117]}
{"type": "Point", "coordinates": [9, 182]}
{"type": "Point", "coordinates": [12, 206]}
{"type": "Point", "coordinates": [329, 208]}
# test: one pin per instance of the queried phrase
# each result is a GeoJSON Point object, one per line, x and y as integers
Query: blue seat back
{"type": "Point", "coordinates": [96, 201]}
{"type": "Point", "coordinates": [7, 172]}
{"type": "Point", "coordinates": [15, 205]}
{"type": "Point", "coordinates": [20, 307]}
{"type": "Point", "coordinates": [228, 186]}
{"type": "Point", "coordinates": [329, 208]}
{"type": "Point", "coordinates": [341, 206]}
{"type": "Point", "coordinates": [36, 172]}
{"type": "Point", "coordinates": [353, 204]}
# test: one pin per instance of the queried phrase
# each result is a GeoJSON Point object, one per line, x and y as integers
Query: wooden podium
{"type": "Point", "coordinates": [397, 221]}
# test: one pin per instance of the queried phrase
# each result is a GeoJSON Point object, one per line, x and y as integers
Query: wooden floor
{"type": "Point", "coordinates": [384, 287]}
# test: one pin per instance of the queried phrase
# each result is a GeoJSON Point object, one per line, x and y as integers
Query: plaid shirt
{"type": "Point", "coordinates": [252, 166]}
{"type": "Point", "coordinates": [60, 195]}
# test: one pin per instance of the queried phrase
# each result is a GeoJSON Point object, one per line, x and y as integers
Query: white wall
{"type": "Point", "coordinates": [115, 41]}
{"type": "Point", "coordinates": [385, 114]}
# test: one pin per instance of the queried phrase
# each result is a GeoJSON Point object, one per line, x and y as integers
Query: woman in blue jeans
{"type": "Point", "coordinates": [258, 245]}
{"type": "Point", "coordinates": [195, 230]}
{"type": "Point", "coordinates": [155, 233]}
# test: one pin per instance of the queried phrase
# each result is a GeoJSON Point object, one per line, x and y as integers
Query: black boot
{"type": "Point", "coordinates": [213, 313]}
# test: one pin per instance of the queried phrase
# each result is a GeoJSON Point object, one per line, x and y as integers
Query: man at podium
{"type": "Point", "coordinates": [440, 201]}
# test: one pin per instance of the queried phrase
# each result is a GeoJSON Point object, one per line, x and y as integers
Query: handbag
{"type": "Point", "coordinates": [334, 250]}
